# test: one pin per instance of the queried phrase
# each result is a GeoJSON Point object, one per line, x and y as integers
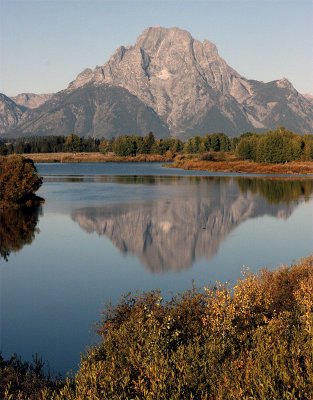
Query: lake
{"type": "Point", "coordinates": [107, 229]}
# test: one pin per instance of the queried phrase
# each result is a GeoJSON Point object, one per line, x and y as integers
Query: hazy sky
{"type": "Point", "coordinates": [45, 44]}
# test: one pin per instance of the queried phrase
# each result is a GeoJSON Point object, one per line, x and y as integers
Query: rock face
{"type": "Point", "coordinates": [309, 97]}
{"type": "Point", "coordinates": [193, 89]}
{"type": "Point", "coordinates": [170, 234]}
{"type": "Point", "coordinates": [31, 100]}
{"type": "Point", "coordinates": [182, 82]}
{"type": "Point", "coordinates": [10, 113]}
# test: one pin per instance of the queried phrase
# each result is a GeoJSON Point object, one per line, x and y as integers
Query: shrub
{"type": "Point", "coordinates": [25, 381]}
{"type": "Point", "coordinates": [254, 341]}
{"type": "Point", "coordinates": [18, 181]}
{"type": "Point", "coordinates": [207, 157]}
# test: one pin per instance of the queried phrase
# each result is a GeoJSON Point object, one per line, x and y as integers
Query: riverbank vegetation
{"type": "Point", "coordinates": [276, 152]}
{"type": "Point", "coordinates": [19, 181]}
{"type": "Point", "coordinates": [276, 146]}
{"type": "Point", "coordinates": [232, 164]}
{"type": "Point", "coordinates": [94, 157]}
{"type": "Point", "coordinates": [254, 340]}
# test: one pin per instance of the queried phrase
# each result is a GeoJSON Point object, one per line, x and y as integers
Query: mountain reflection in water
{"type": "Point", "coordinates": [17, 228]}
{"type": "Point", "coordinates": [170, 234]}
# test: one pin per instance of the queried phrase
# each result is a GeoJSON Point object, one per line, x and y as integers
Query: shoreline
{"type": "Point", "coordinates": [92, 158]}
{"type": "Point", "coordinates": [193, 164]}
{"type": "Point", "coordinates": [245, 167]}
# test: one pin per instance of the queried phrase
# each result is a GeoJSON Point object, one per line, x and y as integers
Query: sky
{"type": "Point", "coordinates": [45, 44]}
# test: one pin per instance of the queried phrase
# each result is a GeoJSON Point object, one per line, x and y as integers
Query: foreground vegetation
{"type": "Point", "coordinates": [19, 181]}
{"type": "Point", "coordinates": [254, 341]}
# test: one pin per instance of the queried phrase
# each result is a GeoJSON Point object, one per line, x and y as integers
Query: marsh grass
{"type": "Point", "coordinates": [228, 163]}
{"type": "Point", "coordinates": [95, 157]}
{"type": "Point", "coordinates": [210, 161]}
{"type": "Point", "coordinates": [252, 341]}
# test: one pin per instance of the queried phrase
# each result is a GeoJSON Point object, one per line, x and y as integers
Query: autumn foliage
{"type": "Point", "coordinates": [254, 340]}
{"type": "Point", "coordinates": [251, 341]}
{"type": "Point", "coordinates": [19, 181]}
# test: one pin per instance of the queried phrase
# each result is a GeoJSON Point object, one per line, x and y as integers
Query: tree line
{"type": "Point", "coordinates": [48, 144]}
{"type": "Point", "coordinates": [280, 145]}
{"type": "Point", "coordinates": [276, 146]}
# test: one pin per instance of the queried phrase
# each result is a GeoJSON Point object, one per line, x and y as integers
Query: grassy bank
{"type": "Point", "coordinates": [233, 164]}
{"type": "Point", "coordinates": [92, 157]}
{"type": "Point", "coordinates": [220, 163]}
{"type": "Point", "coordinates": [254, 341]}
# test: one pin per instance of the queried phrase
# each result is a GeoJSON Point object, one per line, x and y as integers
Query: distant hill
{"type": "Point", "coordinates": [177, 85]}
{"type": "Point", "coordinates": [31, 100]}
{"type": "Point", "coordinates": [10, 113]}
{"type": "Point", "coordinates": [98, 111]}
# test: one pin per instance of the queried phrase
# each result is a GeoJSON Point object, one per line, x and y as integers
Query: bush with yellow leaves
{"type": "Point", "coordinates": [252, 341]}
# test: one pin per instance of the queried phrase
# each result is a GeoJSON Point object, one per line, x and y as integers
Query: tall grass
{"type": "Point", "coordinates": [95, 157]}
{"type": "Point", "coordinates": [231, 164]}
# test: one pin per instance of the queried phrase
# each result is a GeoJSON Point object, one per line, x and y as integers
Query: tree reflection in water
{"type": "Point", "coordinates": [17, 228]}
{"type": "Point", "coordinates": [275, 190]}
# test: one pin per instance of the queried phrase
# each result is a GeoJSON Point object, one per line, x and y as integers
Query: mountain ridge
{"type": "Point", "coordinates": [190, 88]}
{"type": "Point", "coordinates": [31, 100]}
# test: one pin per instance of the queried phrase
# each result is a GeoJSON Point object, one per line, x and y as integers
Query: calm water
{"type": "Point", "coordinates": [106, 229]}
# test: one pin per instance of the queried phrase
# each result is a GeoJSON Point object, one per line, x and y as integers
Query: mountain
{"type": "Point", "coordinates": [185, 82]}
{"type": "Point", "coordinates": [10, 113]}
{"type": "Point", "coordinates": [193, 89]}
{"type": "Point", "coordinates": [309, 97]}
{"type": "Point", "coordinates": [12, 109]}
{"type": "Point", "coordinates": [31, 100]}
{"type": "Point", "coordinates": [98, 111]}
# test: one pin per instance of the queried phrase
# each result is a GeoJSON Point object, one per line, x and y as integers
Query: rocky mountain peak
{"type": "Point", "coordinates": [187, 85]}
{"type": "Point", "coordinates": [285, 83]}
{"type": "Point", "coordinates": [153, 38]}
{"type": "Point", "coordinates": [84, 76]}
{"type": "Point", "coordinates": [31, 100]}
{"type": "Point", "coordinates": [10, 113]}
{"type": "Point", "coordinates": [174, 74]}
